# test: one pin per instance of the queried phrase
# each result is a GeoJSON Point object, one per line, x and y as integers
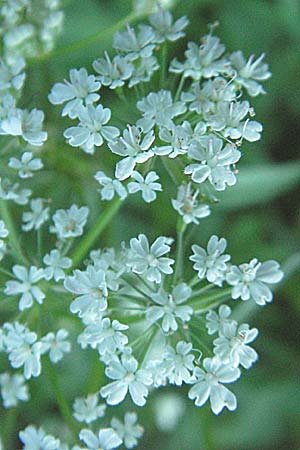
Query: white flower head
{"type": "Point", "coordinates": [69, 222]}
{"type": "Point", "coordinates": [27, 125]}
{"type": "Point", "coordinates": [90, 290]}
{"type": "Point", "coordinates": [135, 149]}
{"type": "Point", "coordinates": [127, 377]}
{"type": "Point", "coordinates": [249, 73]}
{"type": "Point", "coordinates": [164, 28]}
{"type": "Point", "coordinates": [135, 45]}
{"type": "Point", "coordinates": [110, 187]}
{"type": "Point", "coordinates": [92, 129]}
{"type": "Point", "coordinates": [149, 261]}
{"type": "Point", "coordinates": [26, 286]}
{"type": "Point", "coordinates": [179, 363]}
{"type": "Point", "coordinates": [87, 409]}
{"type": "Point", "coordinates": [26, 165]}
{"type": "Point", "coordinates": [148, 185]}
{"type": "Point", "coordinates": [56, 345]}
{"type": "Point", "coordinates": [158, 109]}
{"type": "Point", "coordinates": [56, 263]}
{"type": "Point", "coordinates": [211, 263]}
{"type": "Point", "coordinates": [169, 307]}
{"type": "Point", "coordinates": [129, 431]}
{"type": "Point", "coordinates": [115, 72]}
{"type": "Point", "coordinates": [13, 389]}
{"type": "Point", "coordinates": [214, 162]}
{"type": "Point", "coordinates": [209, 385]}
{"type": "Point", "coordinates": [232, 344]}
{"type": "Point", "coordinates": [107, 439]}
{"type": "Point", "coordinates": [36, 439]}
{"type": "Point", "coordinates": [250, 280]}
{"type": "Point", "coordinates": [216, 320]}
{"type": "Point", "coordinates": [34, 219]}
{"type": "Point", "coordinates": [79, 91]}
{"type": "Point", "coordinates": [188, 205]}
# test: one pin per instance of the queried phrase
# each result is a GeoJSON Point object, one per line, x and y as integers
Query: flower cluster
{"type": "Point", "coordinates": [149, 322]}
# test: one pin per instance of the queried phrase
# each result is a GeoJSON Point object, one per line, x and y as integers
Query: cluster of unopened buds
{"type": "Point", "coordinates": [150, 322]}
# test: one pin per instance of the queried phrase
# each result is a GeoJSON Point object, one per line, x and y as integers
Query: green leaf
{"type": "Point", "coordinates": [260, 184]}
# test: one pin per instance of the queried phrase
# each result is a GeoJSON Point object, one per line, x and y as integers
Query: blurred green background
{"type": "Point", "coordinates": [259, 217]}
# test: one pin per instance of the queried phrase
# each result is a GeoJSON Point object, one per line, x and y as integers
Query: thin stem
{"type": "Point", "coordinates": [61, 401]}
{"type": "Point", "coordinates": [180, 86]}
{"type": "Point", "coordinates": [181, 226]}
{"type": "Point", "coordinates": [133, 286]}
{"type": "Point", "coordinates": [39, 244]}
{"type": "Point", "coordinates": [166, 164]}
{"type": "Point", "coordinates": [83, 43]}
{"type": "Point", "coordinates": [94, 233]}
{"type": "Point", "coordinates": [13, 237]}
{"type": "Point", "coordinates": [6, 272]}
{"type": "Point", "coordinates": [9, 426]}
{"type": "Point", "coordinates": [163, 70]}
{"type": "Point", "coordinates": [202, 290]}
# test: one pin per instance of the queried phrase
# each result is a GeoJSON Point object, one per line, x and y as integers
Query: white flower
{"type": "Point", "coordinates": [148, 185]}
{"type": "Point", "coordinates": [12, 75]}
{"type": "Point", "coordinates": [214, 162]}
{"type": "Point", "coordinates": [10, 191]}
{"type": "Point", "coordinates": [107, 439]}
{"type": "Point", "coordinates": [231, 345]}
{"type": "Point", "coordinates": [135, 45]}
{"type": "Point", "coordinates": [229, 119]}
{"type": "Point", "coordinates": [23, 349]}
{"type": "Point", "coordinates": [216, 321]}
{"type": "Point", "coordinates": [110, 187]}
{"type": "Point", "coordinates": [113, 73]}
{"type": "Point", "coordinates": [26, 165]}
{"type": "Point", "coordinates": [163, 27]}
{"type": "Point", "coordinates": [13, 389]}
{"type": "Point", "coordinates": [202, 61]}
{"type": "Point", "coordinates": [87, 409]}
{"type": "Point", "coordinates": [90, 289]}
{"type": "Point", "coordinates": [129, 431]}
{"type": "Point", "coordinates": [143, 70]}
{"type": "Point", "coordinates": [211, 264]}
{"type": "Point", "coordinates": [158, 109]}
{"type": "Point", "coordinates": [56, 263]}
{"type": "Point", "coordinates": [188, 206]}
{"type": "Point", "coordinates": [249, 280]}
{"type": "Point", "coordinates": [128, 378]}
{"type": "Point", "coordinates": [56, 345]}
{"type": "Point", "coordinates": [134, 148]}
{"type": "Point", "coordinates": [26, 286]}
{"type": "Point", "coordinates": [26, 124]}
{"type": "Point", "coordinates": [208, 385]}
{"type": "Point", "coordinates": [35, 218]}
{"type": "Point", "coordinates": [149, 261]}
{"type": "Point", "coordinates": [69, 222]}
{"type": "Point", "coordinates": [92, 129]}
{"type": "Point", "coordinates": [250, 72]}
{"type": "Point", "coordinates": [106, 336]}
{"type": "Point", "coordinates": [203, 97]}
{"type": "Point", "coordinates": [179, 363]}
{"type": "Point", "coordinates": [170, 307]}
{"type": "Point", "coordinates": [37, 439]}
{"type": "Point", "coordinates": [80, 91]}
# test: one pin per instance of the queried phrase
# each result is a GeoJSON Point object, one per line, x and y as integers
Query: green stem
{"type": "Point", "coordinates": [61, 401]}
{"type": "Point", "coordinates": [181, 226]}
{"type": "Point", "coordinates": [210, 301]}
{"type": "Point", "coordinates": [86, 42]}
{"type": "Point", "coordinates": [180, 86]}
{"type": "Point", "coordinates": [94, 233]}
{"type": "Point", "coordinates": [13, 237]}
{"type": "Point", "coordinates": [9, 427]}
{"type": "Point", "coordinates": [163, 71]}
